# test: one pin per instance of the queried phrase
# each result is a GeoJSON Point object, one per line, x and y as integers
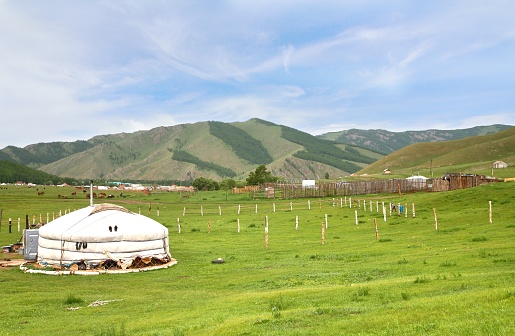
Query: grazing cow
{"type": "Point", "coordinates": [102, 195]}
{"type": "Point", "coordinates": [41, 193]}
{"type": "Point", "coordinates": [110, 196]}
{"type": "Point", "coordinates": [74, 193]}
{"type": "Point", "coordinates": [94, 195]}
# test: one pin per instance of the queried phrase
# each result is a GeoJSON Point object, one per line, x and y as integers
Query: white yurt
{"type": "Point", "coordinates": [103, 236]}
{"type": "Point", "coordinates": [417, 182]}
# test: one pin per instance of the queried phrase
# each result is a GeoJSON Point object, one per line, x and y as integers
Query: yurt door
{"type": "Point", "coordinates": [30, 244]}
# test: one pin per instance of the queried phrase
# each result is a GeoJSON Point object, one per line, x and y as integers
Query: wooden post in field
{"type": "Point", "coordinates": [413, 209]}
{"type": "Point", "coordinates": [323, 234]}
{"type": "Point", "coordinates": [291, 206]}
{"type": "Point", "coordinates": [297, 223]}
{"type": "Point", "coordinates": [139, 211]}
{"type": "Point", "coordinates": [27, 223]}
{"type": "Point", "coordinates": [359, 204]}
{"type": "Point", "coordinates": [377, 206]}
{"type": "Point", "coordinates": [490, 212]}
{"type": "Point", "coordinates": [157, 211]}
{"type": "Point", "coordinates": [274, 207]}
{"type": "Point", "coordinates": [334, 202]}
{"type": "Point", "coordinates": [149, 207]}
{"type": "Point", "coordinates": [320, 203]}
{"type": "Point", "coordinates": [384, 213]}
{"type": "Point", "coordinates": [209, 226]}
{"type": "Point", "coordinates": [266, 232]}
{"type": "Point", "coordinates": [53, 215]}
{"type": "Point", "coordinates": [18, 224]}
{"type": "Point", "coordinates": [406, 210]}
{"type": "Point", "coordinates": [47, 218]}
{"type": "Point", "coordinates": [326, 221]}
{"type": "Point", "coordinates": [356, 216]}
{"type": "Point", "coordinates": [239, 208]}
{"type": "Point", "coordinates": [350, 202]}
{"type": "Point", "coordinates": [370, 205]}
{"type": "Point", "coordinates": [256, 208]}
{"type": "Point", "coordinates": [309, 205]}
{"type": "Point", "coordinates": [345, 200]}
{"type": "Point", "coordinates": [390, 208]}
{"type": "Point", "coordinates": [436, 221]}
{"type": "Point", "coordinates": [399, 209]}
{"type": "Point", "coordinates": [341, 202]}
{"type": "Point", "coordinates": [238, 225]}
{"type": "Point", "coordinates": [202, 210]}
{"type": "Point", "coordinates": [10, 224]}
{"type": "Point", "coordinates": [184, 212]}
{"type": "Point", "coordinates": [220, 210]}
{"type": "Point", "coordinates": [178, 225]}
{"type": "Point", "coordinates": [377, 232]}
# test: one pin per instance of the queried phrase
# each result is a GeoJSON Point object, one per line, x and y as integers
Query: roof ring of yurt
{"type": "Point", "coordinates": [102, 238]}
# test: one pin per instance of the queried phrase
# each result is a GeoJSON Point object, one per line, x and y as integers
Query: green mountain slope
{"type": "Point", "coordinates": [388, 142]}
{"type": "Point", "coordinates": [40, 154]}
{"type": "Point", "coordinates": [476, 152]}
{"type": "Point", "coordinates": [220, 150]}
{"type": "Point", "coordinates": [11, 172]}
{"type": "Point", "coordinates": [213, 150]}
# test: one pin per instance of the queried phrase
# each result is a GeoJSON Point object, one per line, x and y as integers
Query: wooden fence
{"type": "Point", "coordinates": [453, 182]}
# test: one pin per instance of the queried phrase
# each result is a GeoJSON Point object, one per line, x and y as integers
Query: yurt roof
{"type": "Point", "coordinates": [103, 222]}
{"type": "Point", "coordinates": [417, 177]}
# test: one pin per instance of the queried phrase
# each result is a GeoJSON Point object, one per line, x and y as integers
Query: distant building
{"type": "Point", "coordinates": [308, 184]}
{"type": "Point", "coordinates": [499, 164]}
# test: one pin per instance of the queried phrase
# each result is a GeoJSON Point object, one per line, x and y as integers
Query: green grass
{"type": "Point", "coordinates": [412, 280]}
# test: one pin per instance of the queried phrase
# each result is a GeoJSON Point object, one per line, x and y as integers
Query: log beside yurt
{"type": "Point", "coordinates": [101, 235]}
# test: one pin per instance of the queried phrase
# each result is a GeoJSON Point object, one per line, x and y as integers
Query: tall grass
{"type": "Point", "coordinates": [458, 280]}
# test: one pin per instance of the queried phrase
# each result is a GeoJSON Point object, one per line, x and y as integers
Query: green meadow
{"type": "Point", "coordinates": [412, 278]}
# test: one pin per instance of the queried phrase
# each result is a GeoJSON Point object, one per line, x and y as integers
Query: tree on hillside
{"type": "Point", "coordinates": [202, 183]}
{"type": "Point", "coordinates": [260, 176]}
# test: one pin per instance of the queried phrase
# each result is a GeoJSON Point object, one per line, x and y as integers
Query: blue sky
{"type": "Point", "coordinates": [70, 70]}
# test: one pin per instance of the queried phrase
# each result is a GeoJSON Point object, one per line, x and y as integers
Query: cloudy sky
{"type": "Point", "coordinates": [70, 70]}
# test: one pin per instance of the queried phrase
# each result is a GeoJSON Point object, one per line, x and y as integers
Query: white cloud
{"type": "Point", "coordinates": [315, 66]}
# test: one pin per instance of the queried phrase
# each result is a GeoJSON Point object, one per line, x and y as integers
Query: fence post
{"type": "Point", "coordinates": [490, 212]}
{"type": "Point", "coordinates": [436, 221]}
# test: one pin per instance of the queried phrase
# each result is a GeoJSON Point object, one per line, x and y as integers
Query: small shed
{"type": "Point", "coordinates": [499, 164]}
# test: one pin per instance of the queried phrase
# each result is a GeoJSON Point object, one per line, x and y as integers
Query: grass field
{"type": "Point", "coordinates": [411, 280]}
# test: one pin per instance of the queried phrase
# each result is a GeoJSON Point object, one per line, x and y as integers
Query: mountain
{"type": "Point", "coordinates": [40, 154]}
{"type": "Point", "coordinates": [209, 149]}
{"type": "Point", "coordinates": [388, 142]}
{"type": "Point", "coordinates": [220, 150]}
{"type": "Point", "coordinates": [471, 153]}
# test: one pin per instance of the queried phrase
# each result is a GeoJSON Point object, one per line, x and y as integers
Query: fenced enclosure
{"type": "Point", "coordinates": [333, 189]}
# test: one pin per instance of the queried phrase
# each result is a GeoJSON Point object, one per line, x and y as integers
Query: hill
{"type": "Point", "coordinates": [220, 150]}
{"type": "Point", "coordinates": [209, 149]}
{"type": "Point", "coordinates": [473, 153]}
{"type": "Point", "coordinates": [11, 172]}
{"type": "Point", "coordinates": [387, 142]}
